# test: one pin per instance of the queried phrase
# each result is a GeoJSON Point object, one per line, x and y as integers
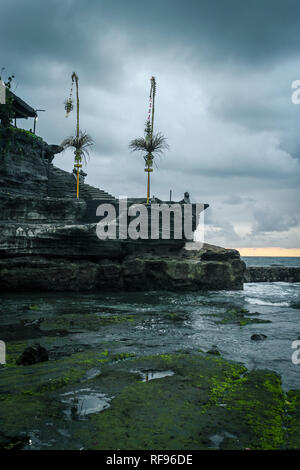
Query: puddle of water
{"type": "Point", "coordinates": [217, 439]}
{"type": "Point", "coordinates": [91, 374]}
{"type": "Point", "coordinates": [153, 374]}
{"type": "Point", "coordinates": [35, 443]}
{"type": "Point", "coordinates": [84, 402]}
{"type": "Point", "coordinates": [64, 433]}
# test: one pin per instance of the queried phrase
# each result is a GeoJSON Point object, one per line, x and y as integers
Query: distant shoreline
{"type": "Point", "coordinates": [265, 261]}
{"type": "Point", "coordinates": [269, 256]}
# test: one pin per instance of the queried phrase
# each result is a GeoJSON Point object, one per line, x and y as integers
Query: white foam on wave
{"type": "Point", "coordinates": [254, 301]}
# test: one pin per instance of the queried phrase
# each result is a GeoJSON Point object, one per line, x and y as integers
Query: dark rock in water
{"type": "Point", "coordinates": [214, 350]}
{"type": "Point", "coordinates": [32, 355]}
{"type": "Point", "coordinates": [13, 442]}
{"type": "Point", "coordinates": [35, 322]}
{"type": "Point", "coordinates": [272, 274]}
{"type": "Point", "coordinates": [176, 316]}
{"type": "Point", "coordinates": [258, 337]}
{"type": "Point", "coordinates": [240, 316]}
{"type": "Point", "coordinates": [295, 305]}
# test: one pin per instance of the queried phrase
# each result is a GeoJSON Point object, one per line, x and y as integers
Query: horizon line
{"type": "Point", "coordinates": [270, 251]}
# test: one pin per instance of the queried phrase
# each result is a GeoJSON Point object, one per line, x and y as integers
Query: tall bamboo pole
{"type": "Point", "coordinates": [77, 155]}
{"type": "Point", "coordinates": [75, 77]}
{"type": "Point", "coordinates": [148, 187]}
{"type": "Point", "coordinates": [153, 89]}
{"type": "Point", "coordinates": [148, 168]}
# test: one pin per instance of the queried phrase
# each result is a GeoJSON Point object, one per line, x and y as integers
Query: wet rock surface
{"type": "Point", "coordinates": [126, 377]}
{"type": "Point", "coordinates": [214, 350]}
{"type": "Point", "coordinates": [258, 337]}
{"type": "Point", "coordinates": [195, 401]}
{"type": "Point", "coordinates": [32, 355]}
{"type": "Point", "coordinates": [240, 316]}
{"type": "Point", "coordinates": [272, 274]}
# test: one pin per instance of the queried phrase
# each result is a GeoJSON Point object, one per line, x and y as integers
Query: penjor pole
{"type": "Point", "coordinates": [149, 158]}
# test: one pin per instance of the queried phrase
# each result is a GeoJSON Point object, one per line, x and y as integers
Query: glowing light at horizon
{"type": "Point", "coordinates": [269, 251]}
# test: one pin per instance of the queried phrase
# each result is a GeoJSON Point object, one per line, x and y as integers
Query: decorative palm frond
{"type": "Point", "coordinates": [154, 145]}
{"type": "Point", "coordinates": [81, 145]}
{"type": "Point", "coordinates": [68, 106]}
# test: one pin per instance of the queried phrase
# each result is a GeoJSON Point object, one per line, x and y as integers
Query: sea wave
{"type": "Point", "coordinates": [254, 301]}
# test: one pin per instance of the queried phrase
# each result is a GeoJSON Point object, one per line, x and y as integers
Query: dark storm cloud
{"type": "Point", "coordinates": [267, 220]}
{"type": "Point", "coordinates": [252, 30]}
{"type": "Point", "coordinates": [55, 33]}
{"type": "Point", "coordinates": [229, 30]}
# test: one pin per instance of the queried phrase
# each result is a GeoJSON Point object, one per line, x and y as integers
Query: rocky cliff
{"type": "Point", "coordinates": [46, 242]}
{"type": "Point", "coordinates": [211, 268]}
{"type": "Point", "coordinates": [27, 169]}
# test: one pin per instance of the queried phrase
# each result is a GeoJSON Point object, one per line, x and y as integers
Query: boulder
{"type": "Point", "coordinates": [214, 350]}
{"type": "Point", "coordinates": [32, 355]}
{"type": "Point", "coordinates": [258, 337]}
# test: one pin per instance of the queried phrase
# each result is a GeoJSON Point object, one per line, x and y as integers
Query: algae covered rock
{"type": "Point", "coordinates": [214, 350]}
{"type": "Point", "coordinates": [241, 317]}
{"type": "Point", "coordinates": [191, 401]}
{"type": "Point", "coordinates": [208, 403]}
{"type": "Point", "coordinates": [32, 355]}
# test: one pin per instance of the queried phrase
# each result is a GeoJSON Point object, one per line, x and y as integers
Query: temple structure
{"type": "Point", "coordinates": [49, 238]}
{"type": "Point", "coordinates": [19, 108]}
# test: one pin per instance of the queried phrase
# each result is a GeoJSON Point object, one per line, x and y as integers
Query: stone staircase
{"type": "Point", "coordinates": [62, 184]}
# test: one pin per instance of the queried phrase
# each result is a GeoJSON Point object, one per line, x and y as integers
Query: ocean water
{"type": "Point", "coordinates": [271, 261]}
{"type": "Point", "coordinates": [171, 321]}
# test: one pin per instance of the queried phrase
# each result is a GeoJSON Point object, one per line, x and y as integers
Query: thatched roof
{"type": "Point", "coordinates": [20, 108]}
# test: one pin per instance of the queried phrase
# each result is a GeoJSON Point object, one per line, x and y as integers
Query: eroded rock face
{"type": "Point", "coordinates": [25, 160]}
{"type": "Point", "coordinates": [183, 270]}
{"type": "Point", "coordinates": [32, 210]}
{"type": "Point", "coordinates": [78, 241]}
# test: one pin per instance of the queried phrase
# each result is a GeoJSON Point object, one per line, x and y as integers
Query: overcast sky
{"type": "Point", "coordinates": [224, 70]}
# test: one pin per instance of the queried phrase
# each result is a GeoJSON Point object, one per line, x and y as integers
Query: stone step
{"type": "Point", "coordinates": [63, 184]}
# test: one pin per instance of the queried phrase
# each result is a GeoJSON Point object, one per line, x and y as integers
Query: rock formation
{"type": "Point", "coordinates": [272, 274]}
{"type": "Point", "coordinates": [48, 238]}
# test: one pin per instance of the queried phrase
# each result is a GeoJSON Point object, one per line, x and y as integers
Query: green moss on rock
{"type": "Point", "coordinates": [205, 396]}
